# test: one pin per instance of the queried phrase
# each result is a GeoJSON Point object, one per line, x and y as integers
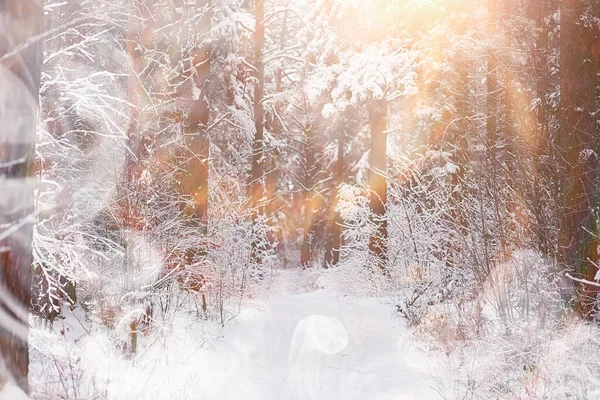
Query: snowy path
{"type": "Point", "coordinates": [320, 346]}
{"type": "Point", "coordinates": [288, 346]}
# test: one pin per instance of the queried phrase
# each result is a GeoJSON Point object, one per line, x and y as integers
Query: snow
{"type": "Point", "coordinates": [321, 345]}
{"type": "Point", "coordinates": [11, 392]}
{"type": "Point", "coordinates": [285, 345]}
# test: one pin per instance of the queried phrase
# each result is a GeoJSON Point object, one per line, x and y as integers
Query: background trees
{"type": "Point", "coordinates": [386, 100]}
{"type": "Point", "coordinates": [191, 149]}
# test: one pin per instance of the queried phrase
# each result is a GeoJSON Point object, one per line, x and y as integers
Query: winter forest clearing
{"type": "Point", "coordinates": [299, 199]}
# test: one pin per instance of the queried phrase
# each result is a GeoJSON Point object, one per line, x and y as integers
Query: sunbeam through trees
{"type": "Point", "coordinates": [299, 199]}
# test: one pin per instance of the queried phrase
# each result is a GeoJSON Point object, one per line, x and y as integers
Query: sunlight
{"type": "Point", "coordinates": [383, 3]}
{"type": "Point", "coordinates": [421, 3]}
{"type": "Point", "coordinates": [282, 199]}
{"type": "Point", "coordinates": [375, 20]}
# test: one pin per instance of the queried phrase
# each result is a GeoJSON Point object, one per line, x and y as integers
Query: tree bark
{"type": "Point", "coordinates": [310, 170]}
{"type": "Point", "coordinates": [578, 144]}
{"type": "Point", "coordinates": [539, 11]}
{"type": "Point", "coordinates": [460, 143]}
{"type": "Point", "coordinates": [195, 126]}
{"type": "Point", "coordinates": [257, 171]}
{"type": "Point", "coordinates": [19, 91]}
{"type": "Point", "coordinates": [274, 157]}
{"type": "Point", "coordinates": [378, 244]}
{"type": "Point", "coordinates": [492, 121]}
{"type": "Point", "coordinates": [492, 84]}
{"type": "Point", "coordinates": [337, 219]}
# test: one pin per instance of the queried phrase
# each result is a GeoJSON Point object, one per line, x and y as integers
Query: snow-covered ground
{"type": "Point", "coordinates": [287, 344]}
{"type": "Point", "coordinates": [318, 345]}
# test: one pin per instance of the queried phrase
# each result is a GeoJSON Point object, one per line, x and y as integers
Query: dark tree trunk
{"type": "Point", "coordinates": [273, 172]}
{"type": "Point", "coordinates": [257, 171]}
{"type": "Point", "coordinates": [195, 129]}
{"type": "Point", "coordinates": [577, 143]}
{"type": "Point", "coordinates": [309, 180]}
{"type": "Point", "coordinates": [19, 90]}
{"type": "Point", "coordinates": [492, 123]}
{"type": "Point", "coordinates": [544, 178]}
{"type": "Point", "coordinates": [492, 85]}
{"type": "Point", "coordinates": [305, 249]}
{"type": "Point", "coordinates": [378, 244]}
{"type": "Point", "coordinates": [135, 47]}
{"type": "Point", "coordinates": [337, 219]}
{"type": "Point", "coordinates": [514, 155]}
{"type": "Point", "coordinates": [459, 142]}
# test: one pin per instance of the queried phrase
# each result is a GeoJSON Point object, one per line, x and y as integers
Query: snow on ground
{"type": "Point", "coordinates": [317, 345]}
{"type": "Point", "coordinates": [11, 392]}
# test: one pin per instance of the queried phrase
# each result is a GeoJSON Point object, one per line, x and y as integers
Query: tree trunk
{"type": "Point", "coordinates": [492, 84]}
{"type": "Point", "coordinates": [492, 123]}
{"type": "Point", "coordinates": [577, 143]}
{"type": "Point", "coordinates": [309, 175]}
{"type": "Point", "coordinates": [305, 249]}
{"type": "Point", "coordinates": [138, 39]}
{"type": "Point", "coordinates": [378, 244]}
{"type": "Point", "coordinates": [539, 11]}
{"type": "Point", "coordinates": [19, 91]}
{"type": "Point", "coordinates": [257, 171]}
{"type": "Point", "coordinates": [273, 172]}
{"type": "Point", "coordinates": [337, 219]}
{"type": "Point", "coordinates": [460, 144]}
{"type": "Point", "coordinates": [195, 126]}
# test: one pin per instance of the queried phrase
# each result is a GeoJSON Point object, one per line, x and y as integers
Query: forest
{"type": "Point", "coordinates": [299, 199]}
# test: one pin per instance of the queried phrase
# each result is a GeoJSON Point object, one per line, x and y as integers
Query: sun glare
{"type": "Point", "coordinates": [382, 4]}
{"type": "Point", "coordinates": [374, 20]}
